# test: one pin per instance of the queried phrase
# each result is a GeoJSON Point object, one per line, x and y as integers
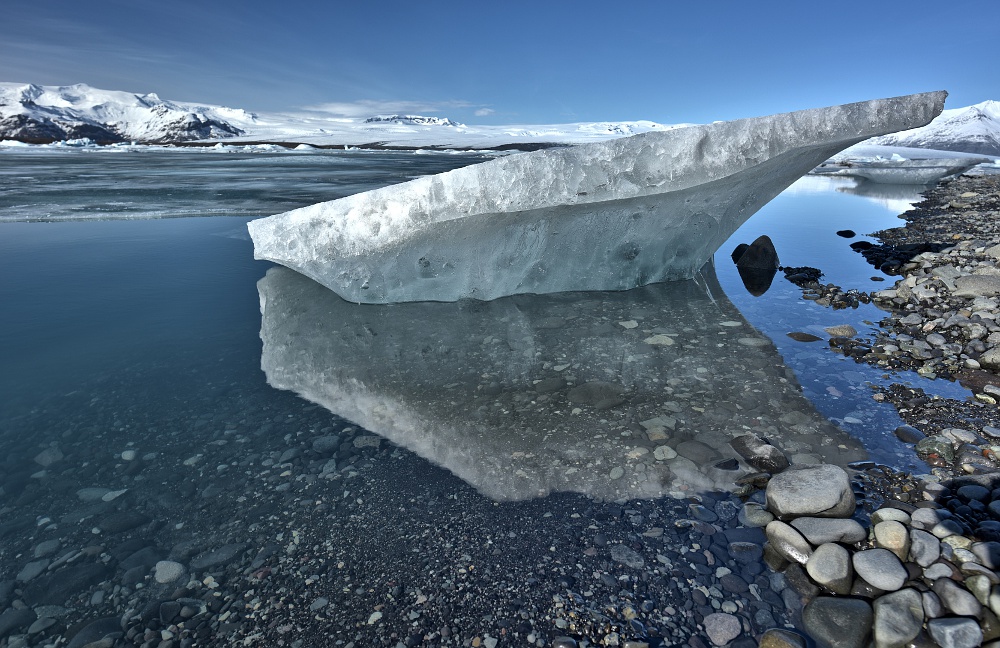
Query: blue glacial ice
{"type": "Point", "coordinates": [604, 216]}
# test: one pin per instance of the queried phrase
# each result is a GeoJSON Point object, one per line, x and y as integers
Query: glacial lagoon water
{"type": "Point", "coordinates": [145, 351]}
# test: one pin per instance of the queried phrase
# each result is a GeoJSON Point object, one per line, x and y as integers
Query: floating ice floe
{"type": "Point", "coordinates": [899, 170]}
{"type": "Point", "coordinates": [604, 216]}
{"type": "Point", "coordinates": [617, 395]}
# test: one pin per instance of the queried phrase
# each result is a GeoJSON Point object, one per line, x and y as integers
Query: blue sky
{"type": "Point", "coordinates": [511, 61]}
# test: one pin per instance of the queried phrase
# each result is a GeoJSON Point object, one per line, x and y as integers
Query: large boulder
{"type": "Point", "coordinates": [822, 490]}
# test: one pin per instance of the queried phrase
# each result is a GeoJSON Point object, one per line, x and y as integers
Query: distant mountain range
{"type": "Point", "coordinates": [44, 114]}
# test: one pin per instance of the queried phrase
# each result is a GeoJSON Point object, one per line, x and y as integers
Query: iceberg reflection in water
{"type": "Point", "coordinates": [612, 394]}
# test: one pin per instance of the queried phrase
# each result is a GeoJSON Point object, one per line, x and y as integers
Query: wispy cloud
{"type": "Point", "coordinates": [484, 112]}
{"type": "Point", "coordinates": [369, 107]}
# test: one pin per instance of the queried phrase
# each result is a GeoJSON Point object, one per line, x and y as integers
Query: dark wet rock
{"type": "Point", "coordinates": [822, 530]}
{"type": "Point", "coordinates": [838, 622]}
{"type": "Point", "coordinates": [759, 454]}
{"type": "Point", "coordinates": [759, 255]}
{"type": "Point", "coordinates": [122, 521]}
{"type": "Point", "coordinates": [55, 588]}
{"type": "Point", "coordinates": [880, 568]}
{"type": "Point", "coordinates": [217, 557]}
{"type": "Point", "coordinates": [145, 557]}
{"type": "Point", "coordinates": [908, 434]}
{"type": "Point", "coordinates": [6, 592]}
{"type": "Point", "coordinates": [745, 553]}
{"type": "Point", "coordinates": [788, 542]}
{"type": "Point", "coordinates": [326, 444]}
{"type": "Point", "coordinates": [108, 627]}
{"type": "Point", "coordinates": [697, 452]}
{"type": "Point", "coordinates": [899, 617]}
{"type": "Point", "coordinates": [820, 491]}
{"type": "Point", "coordinates": [626, 556]}
{"type": "Point", "coordinates": [846, 233]}
{"type": "Point", "coordinates": [599, 395]}
{"type": "Point", "coordinates": [804, 337]}
{"type": "Point", "coordinates": [988, 553]}
{"type": "Point", "coordinates": [13, 620]}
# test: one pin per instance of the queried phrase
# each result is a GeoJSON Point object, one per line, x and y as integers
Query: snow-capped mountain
{"type": "Point", "coordinates": [41, 114]}
{"type": "Point", "coordinates": [412, 120]}
{"type": "Point", "coordinates": [974, 129]}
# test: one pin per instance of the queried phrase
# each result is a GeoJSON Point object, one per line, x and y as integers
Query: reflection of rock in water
{"type": "Point", "coordinates": [624, 394]}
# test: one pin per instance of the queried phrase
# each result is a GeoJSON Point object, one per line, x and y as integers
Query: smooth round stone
{"type": "Point", "coordinates": [955, 633]}
{"type": "Point", "coordinates": [988, 553]}
{"type": "Point", "coordinates": [979, 586]}
{"type": "Point", "coordinates": [899, 617]}
{"type": "Point", "coordinates": [754, 515]}
{"type": "Point", "coordinates": [956, 598]}
{"type": "Point", "coordinates": [880, 568]}
{"type": "Point", "coordinates": [830, 566]}
{"type": "Point", "coordinates": [924, 547]}
{"type": "Point", "coordinates": [946, 528]}
{"type": "Point", "coordinates": [938, 570]}
{"type": "Point", "coordinates": [822, 530]}
{"type": "Point", "coordinates": [841, 622]}
{"type": "Point", "coordinates": [167, 571]}
{"type": "Point", "coordinates": [893, 536]}
{"type": "Point", "coordinates": [745, 553]}
{"type": "Point", "coordinates": [932, 605]}
{"type": "Point", "coordinates": [779, 638]}
{"type": "Point", "coordinates": [788, 542]}
{"type": "Point", "coordinates": [820, 491]}
{"type": "Point", "coordinates": [928, 518]}
{"type": "Point", "coordinates": [890, 514]}
{"type": "Point", "coordinates": [971, 492]}
{"type": "Point", "coordinates": [908, 434]}
{"type": "Point", "coordinates": [47, 548]}
{"type": "Point", "coordinates": [722, 628]}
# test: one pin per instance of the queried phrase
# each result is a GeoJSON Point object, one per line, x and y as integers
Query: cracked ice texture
{"type": "Point", "coordinates": [605, 216]}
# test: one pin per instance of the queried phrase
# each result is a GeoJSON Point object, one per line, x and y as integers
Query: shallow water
{"type": "Point", "coordinates": [147, 335]}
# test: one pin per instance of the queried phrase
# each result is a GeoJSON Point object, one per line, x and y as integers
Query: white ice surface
{"type": "Point", "coordinates": [603, 216]}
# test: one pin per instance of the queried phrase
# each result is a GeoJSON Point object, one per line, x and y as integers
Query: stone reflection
{"type": "Point", "coordinates": [612, 394]}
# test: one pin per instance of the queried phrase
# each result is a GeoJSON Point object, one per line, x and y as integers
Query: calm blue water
{"type": "Point", "coordinates": [85, 297]}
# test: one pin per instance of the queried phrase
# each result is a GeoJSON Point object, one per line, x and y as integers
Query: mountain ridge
{"type": "Point", "coordinates": [38, 114]}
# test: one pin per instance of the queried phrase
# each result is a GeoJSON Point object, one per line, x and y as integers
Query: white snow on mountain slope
{"type": "Point", "coordinates": [42, 113]}
{"type": "Point", "coordinates": [37, 114]}
{"type": "Point", "coordinates": [974, 129]}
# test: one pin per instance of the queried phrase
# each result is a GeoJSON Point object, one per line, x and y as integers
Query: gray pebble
{"type": "Point", "coordinates": [880, 568]}
{"type": "Point", "coordinates": [955, 633]}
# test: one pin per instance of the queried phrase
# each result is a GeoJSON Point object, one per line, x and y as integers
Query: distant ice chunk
{"type": "Point", "coordinates": [899, 170]}
{"type": "Point", "coordinates": [604, 216]}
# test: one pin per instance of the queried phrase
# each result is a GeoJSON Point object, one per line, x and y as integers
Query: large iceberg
{"type": "Point", "coordinates": [604, 216]}
{"type": "Point", "coordinates": [614, 394]}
